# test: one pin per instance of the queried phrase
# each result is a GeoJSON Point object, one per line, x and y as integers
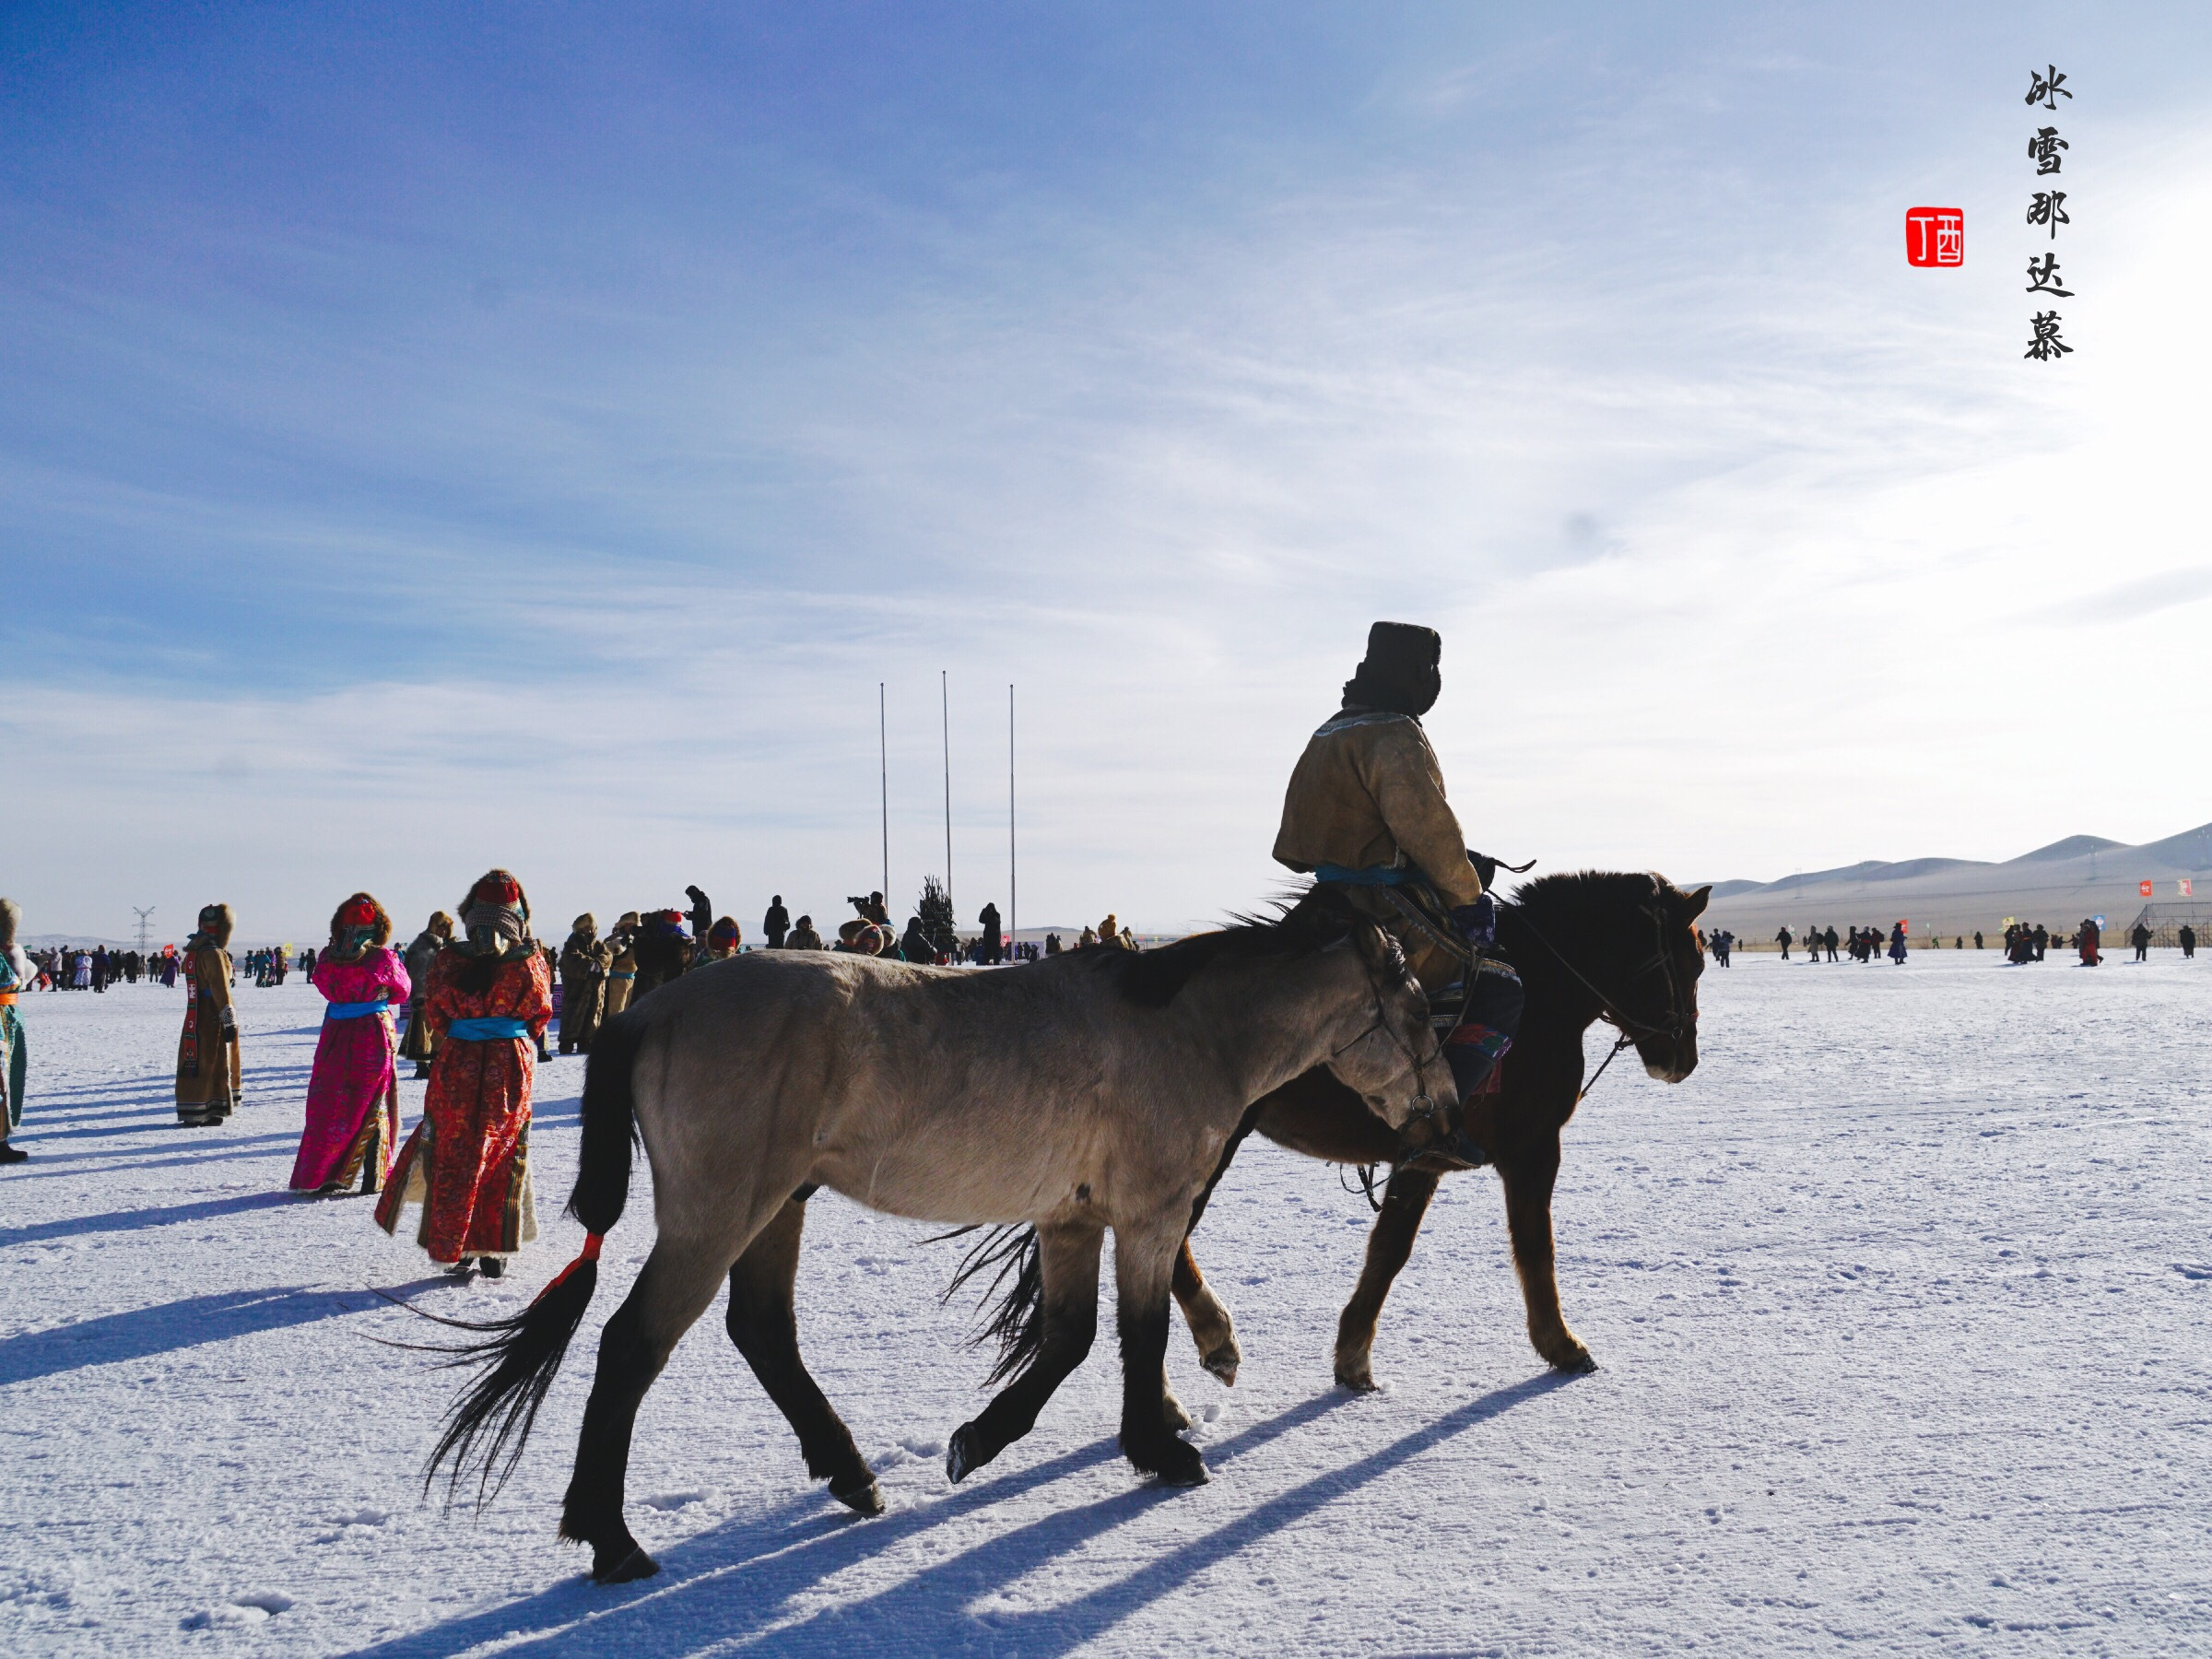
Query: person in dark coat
{"type": "Point", "coordinates": [915, 946]}
{"type": "Point", "coordinates": [993, 950]}
{"type": "Point", "coordinates": [776, 923]}
{"type": "Point", "coordinates": [2188, 941]}
{"type": "Point", "coordinates": [703, 915]}
{"type": "Point", "coordinates": [664, 951]}
{"type": "Point", "coordinates": [2140, 939]}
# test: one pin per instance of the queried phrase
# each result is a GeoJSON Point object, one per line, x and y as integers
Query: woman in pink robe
{"type": "Point", "coordinates": [353, 1095]}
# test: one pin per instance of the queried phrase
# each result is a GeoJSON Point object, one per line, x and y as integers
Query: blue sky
{"type": "Point", "coordinates": [444, 435]}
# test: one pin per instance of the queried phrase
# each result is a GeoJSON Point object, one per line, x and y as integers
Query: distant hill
{"type": "Point", "coordinates": [2057, 885]}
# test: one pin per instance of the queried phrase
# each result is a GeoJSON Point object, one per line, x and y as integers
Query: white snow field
{"type": "Point", "coordinates": [1903, 1305]}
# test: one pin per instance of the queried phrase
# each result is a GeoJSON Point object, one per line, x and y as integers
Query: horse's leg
{"type": "Point", "coordinates": [1069, 1260]}
{"type": "Point", "coordinates": [1205, 1313]}
{"type": "Point", "coordinates": [1208, 1315]}
{"type": "Point", "coordinates": [765, 1326]}
{"type": "Point", "coordinates": [1143, 1268]}
{"type": "Point", "coordinates": [1528, 1178]}
{"type": "Point", "coordinates": [1389, 1242]}
{"type": "Point", "coordinates": [677, 1284]}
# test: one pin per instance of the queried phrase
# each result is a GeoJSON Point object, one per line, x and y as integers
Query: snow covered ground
{"type": "Point", "coordinates": [1902, 1303]}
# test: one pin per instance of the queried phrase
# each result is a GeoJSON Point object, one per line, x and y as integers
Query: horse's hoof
{"type": "Point", "coordinates": [1180, 1465]}
{"type": "Point", "coordinates": [1354, 1372]}
{"type": "Point", "coordinates": [630, 1566]}
{"type": "Point", "coordinates": [1223, 1363]}
{"type": "Point", "coordinates": [1173, 1415]}
{"type": "Point", "coordinates": [961, 1460]}
{"type": "Point", "coordinates": [1578, 1364]}
{"type": "Point", "coordinates": [863, 1499]}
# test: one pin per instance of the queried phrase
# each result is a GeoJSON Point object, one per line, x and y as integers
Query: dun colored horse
{"type": "Point", "coordinates": [1612, 947]}
{"type": "Point", "coordinates": [1093, 1090]}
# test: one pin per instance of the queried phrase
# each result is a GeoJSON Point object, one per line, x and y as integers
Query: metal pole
{"type": "Point", "coordinates": [945, 709]}
{"type": "Point", "coordinates": [882, 752]}
{"type": "Point", "coordinates": [1013, 892]}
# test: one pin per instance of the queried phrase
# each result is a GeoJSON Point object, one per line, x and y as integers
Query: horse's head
{"type": "Point", "coordinates": [1625, 943]}
{"type": "Point", "coordinates": [1661, 998]}
{"type": "Point", "coordinates": [1393, 1063]}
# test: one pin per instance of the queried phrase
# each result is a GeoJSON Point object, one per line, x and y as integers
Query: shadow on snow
{"type": "Point", "coordinates": [169, 1327]}
{"type": "Point", "coordinates": [733, 1585]}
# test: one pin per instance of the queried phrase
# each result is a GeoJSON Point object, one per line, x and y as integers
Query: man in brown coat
{"type": "Point", "coordinates": [584, 962]}
{"type": "Point", "coordinates": [622, 964]}
{"type": "Point", "coordinates": [208, 1074]}
{"type": "Point", "coordinates": [1366, 812]}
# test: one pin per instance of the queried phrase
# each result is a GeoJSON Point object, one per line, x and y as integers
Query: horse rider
{"type": "Point", "coordinates": [1366, 813]}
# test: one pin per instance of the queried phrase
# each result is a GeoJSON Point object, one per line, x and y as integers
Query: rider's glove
{"type": "Point", "coordinates": [1477, 921]}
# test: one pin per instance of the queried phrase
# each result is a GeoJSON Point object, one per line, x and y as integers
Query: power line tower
{"type": "Point", "coordinates": [145, 926]}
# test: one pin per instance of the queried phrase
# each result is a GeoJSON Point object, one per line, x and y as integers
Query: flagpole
{"type": "Point", "coordinates": [945, 710]}
{"type": "Point", "coordinates": [1013, 891]}
{"type": "Point", "coordinates": [883, 753]}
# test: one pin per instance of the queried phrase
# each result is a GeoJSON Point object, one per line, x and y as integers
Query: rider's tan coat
{"type": "Point", "coordinates": [1368, 790]}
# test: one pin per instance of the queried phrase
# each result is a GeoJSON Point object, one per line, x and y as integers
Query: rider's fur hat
{"type": "Point", "coordinates": [11, 915]}
{"type": "Point", "coordinates": [1399, 672]}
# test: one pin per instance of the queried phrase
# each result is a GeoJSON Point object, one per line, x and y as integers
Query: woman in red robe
{"type": "Point", "coordinates": [489, 999]}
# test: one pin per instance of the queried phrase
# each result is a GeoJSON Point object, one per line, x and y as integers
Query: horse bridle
{"type": "Point", "coordinates": [1678, 1021]}
{"type": "Point", "coordinates": [1424, 1103]}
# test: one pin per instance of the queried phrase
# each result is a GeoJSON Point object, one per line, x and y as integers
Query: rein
{"type": "Point", "coordinates": [1630, 1027]}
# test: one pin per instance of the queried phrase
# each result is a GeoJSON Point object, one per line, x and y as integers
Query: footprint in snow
{"type": "Point", "coordinates": [2193, 1270]}
{"type": "Point", "coordinates": [257, 1607]}
{"type": "Point", "coordinates": [666, 1502]}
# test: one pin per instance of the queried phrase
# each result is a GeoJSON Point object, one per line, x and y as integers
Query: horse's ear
{"type": "Point", "coordinates": [1694, 904]}
{"type": "Point", "coordinates": [1376, 945]}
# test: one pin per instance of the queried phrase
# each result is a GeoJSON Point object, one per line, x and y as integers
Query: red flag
{"type": "Point", "coordinates": [2143, 888]}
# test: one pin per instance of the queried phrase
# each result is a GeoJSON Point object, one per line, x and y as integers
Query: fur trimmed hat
{"type": "Point", "coordinates": [361, 910]}
{"type": "Point", "coordinates": [11, 918]}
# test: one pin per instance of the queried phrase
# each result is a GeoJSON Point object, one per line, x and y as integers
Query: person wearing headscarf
{"type": "Point", "coordinates": [621, 964]}
{"type": "Point", "coordinates": [353, 1092]}
{"type": "Point", "coordinates": [16, 975]}
{"type": "Point", "coordinates": [725, 939]}
{"type": "Point", "coordinates": [583, 959]}
{"type": "Point", "coordinates": [1365, 812]}
{"type": "Point", "coordinates": [208, 1070]}
{"type": "Point", "coordinates": [420, 1042]}
{"type": "Point", "coordinates": [468, 1161]}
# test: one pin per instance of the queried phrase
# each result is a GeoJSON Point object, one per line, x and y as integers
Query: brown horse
{"type": "Point", "coordinates": [1619, 948]}
{"type": "Point", "coordinates": [1098, 1089]}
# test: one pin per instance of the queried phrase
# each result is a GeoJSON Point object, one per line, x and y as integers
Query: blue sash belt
{"type": "Point", "coordinates": [491, 1028]}
{"type": "Point", "coordinates": [1373, 876]}
{"type": "Point", "coordinates": [338, 1010]}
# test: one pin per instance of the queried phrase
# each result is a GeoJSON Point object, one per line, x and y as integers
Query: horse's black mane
{"type": "Point", "coordinates": [1572, 897]}
{"type": "Point", "coordinates": [1303, 923]}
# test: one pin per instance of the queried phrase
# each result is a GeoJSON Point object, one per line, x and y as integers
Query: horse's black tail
{"type": "Point", "coordinates": [1018, 1322]}
{"type": "Point", "coordinates": [516, 1357]}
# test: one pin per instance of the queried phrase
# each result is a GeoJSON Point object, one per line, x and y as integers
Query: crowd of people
{"type": "Point", "coordinates": [95, 967]}
{"type": "Point", "coordinates": [470, 1003]}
